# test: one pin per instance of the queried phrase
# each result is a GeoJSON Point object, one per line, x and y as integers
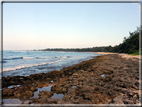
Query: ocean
{"type": "Point", "coordinates": [25, 63]}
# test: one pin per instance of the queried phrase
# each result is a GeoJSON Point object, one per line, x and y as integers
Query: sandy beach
{"type": "Point", "coordinates": [126, 56]}
{"type": "Point", "coordinates": [107, 79]}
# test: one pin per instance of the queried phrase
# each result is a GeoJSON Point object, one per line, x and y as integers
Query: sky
{"type": "Point", "coordinates": [28, 26]}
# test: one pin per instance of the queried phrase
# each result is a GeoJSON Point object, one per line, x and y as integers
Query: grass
{"type": "Point", "coordinates": [135, 53]}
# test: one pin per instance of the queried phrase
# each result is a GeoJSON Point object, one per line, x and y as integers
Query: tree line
{"type": "Point", "coordinates": [129, 45]}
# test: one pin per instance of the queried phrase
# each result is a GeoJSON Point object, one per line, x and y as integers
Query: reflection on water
{"type": "Point", "coordinates": [48, 88]}
{"type": "Point", "coordinates": [17, 101]}
{"type": "Point", "coordinates": [59, 96]}
{"type": "Point", "coordinates": [73, 86]}
{"type": "Point", "coordinates": [13, 86]}
{"type": "Point", "coordinates": [103, 75]}
{"type": "Point", "coordinates": [11, 101]}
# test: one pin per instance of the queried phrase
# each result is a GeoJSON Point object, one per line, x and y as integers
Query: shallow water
{"type": "Point", "coordinates": [73, 86]}
{"type": "Point", "coordinates": [103, 75]}
{"type": "Point", "coordinates": [12, 101]}
{"type": "Point", "coordinates": [47, 88]}
{"type": "Point", "coordinates": [14, 86]}
{"type": "Point", "coordinates": [59, 96]}
{"type": "Point", "coordinates": [24, 63]}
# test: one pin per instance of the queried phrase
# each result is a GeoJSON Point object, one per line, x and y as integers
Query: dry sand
{"type": "Point", "coordinates": [126, 56]}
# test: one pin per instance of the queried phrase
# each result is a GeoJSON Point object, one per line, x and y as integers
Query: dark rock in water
{"type": "Point", "coordinates": [31, 87]}
{"type": "Point", "coordinates": [24, 92]}
{"type": "Point", "coordinates": [45, 93]}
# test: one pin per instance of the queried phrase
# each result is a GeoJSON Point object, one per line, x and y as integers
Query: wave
{"type": "Point", "coordinates": [18, 58]}
{"type": "Point", "coordinates": [43, 57]}
{"type": "Point", "coordinates": [31, 58]}
{"type": "Point", "coordinates": [28, 57]}
{"type": "Point", "coordinates": [59, 57]}
{"type": "Point", "coordinates": [12, 58]}
{"type": "Point", "coordinates": [27, 66]}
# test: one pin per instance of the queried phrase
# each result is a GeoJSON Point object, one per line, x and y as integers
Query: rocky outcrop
{"type": "Point", "coordinates": [107, 79]}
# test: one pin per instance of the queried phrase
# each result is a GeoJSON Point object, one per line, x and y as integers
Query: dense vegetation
{"type": "Point", "coordinates": [130, 45]}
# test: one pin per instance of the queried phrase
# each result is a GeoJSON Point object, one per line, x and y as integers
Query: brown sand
{"type": "Point", "coordinates": [126, 56]}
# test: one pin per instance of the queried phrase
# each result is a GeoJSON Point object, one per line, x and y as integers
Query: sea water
{"type": "Point", "coordinates": [24, 63]}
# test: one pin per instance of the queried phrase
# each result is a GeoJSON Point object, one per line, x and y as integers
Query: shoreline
{"type": "Point", "coordinates": [13, 70]}
{"type": "Point", "coordinates": [95, 81]}
{"type": "Point", "coordinates": [123, 55]}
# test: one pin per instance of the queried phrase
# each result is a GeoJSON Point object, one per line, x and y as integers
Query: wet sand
{"type": "Point", "coordinates": [106, 79]}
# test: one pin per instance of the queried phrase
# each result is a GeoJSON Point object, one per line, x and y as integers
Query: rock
{"type": "Point", "coordinates": [66, 97]}
{"type": "Point", "coordinates": [135, 95]}
{"type": "Point", "coordinates": [59, 89]}
{"type": "Point", "coordinates": [82, 79]}
{"type": "Point", "coordinates": [118, 100]}
{"type": "Point", "coordinates": [76, 99]}
{"type": "Point", "coordinates": [7, 92]}
{"type": "Point", "coordinates": [64, 102]}
{"type": "Point", "coordinates": [53, 101]}
{"type": "Point", "coordinates": [64, 90]}
{"type": "Point", "coordinates": [130, 93]}
{"type": "Point", "coordinates": [87, 96]}
{"type": "Point", "coordinates": [42, 100]}
{"type": "Point", "coordinates": [17, 94]}
{"type": "Point", "coordinates": [137, 84]}
{"type": "Point", "coordinates": [75, 75]}
{"type": "Point", "coordinates": [29, 93]}
{"type": "Point", "coordinates": [95, 99]}
{"type": "Point", "coordinates": [86, 102]}
{"type": "Point", "coordinates": [45, 93]}
{"type": "Point", "coordinates": [107, 79]}
{"type": "Point", "coordinates": [86, 88]}
{"type": "Point", "coordinates": [23, 92]}
{"type": "Point", "coordinates": [33, 88]}
{"type": "Point", "coordinates": [67, 85]}
{"type": "Point", "coordinates": [108, 72]}
{"type": "Point", "coordinates": [127, 101]}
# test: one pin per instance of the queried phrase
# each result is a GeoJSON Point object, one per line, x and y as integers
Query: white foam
{"type": "Point", "coordinates": [27, 66]}
{"type": "Point", "coordinates": [63, 57]}
{"type": "Point", "coordinates": [28, 57]}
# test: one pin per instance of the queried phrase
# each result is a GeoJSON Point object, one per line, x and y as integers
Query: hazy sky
{"type": "Point", "coordinates": [28, 26]}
